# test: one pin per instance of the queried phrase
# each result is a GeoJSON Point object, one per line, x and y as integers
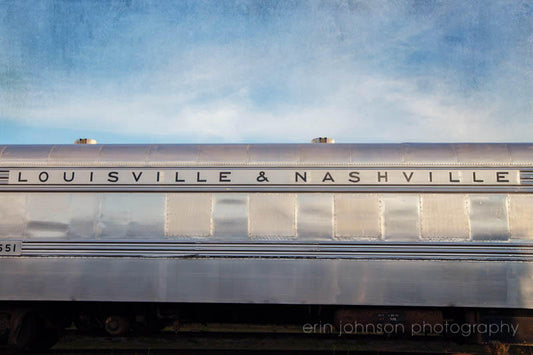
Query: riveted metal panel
{"type": "Point", "coordinates": [316, 154]}
{"type": "Point", "coordinates": [12, 214]}
{"type": "Point", "coordinates": [272, 216]}
{"type": "Point", "coordinates": [521, 153]}
{"type": "Point", "coordinates": [124, 154]}
{"type": "Point", "coordinates": [77, 154]}
{"type": "Point", "coordinates": [400, 217]}
{"type": "Point", "coordinates": [483, 153]}
{"type": "Point", "coordinates": [223, 154]}
{"type": "Point", "coordinates": [26, 153]}
{"type": "Point", "coordinates": [378, 154]}
{"type": "Point", "coordinates": [314, 216]}
{"type": "Point", "coordinates": [429, 154]}
{"type": "Point", "coordinates": [268, 155]}
{"type": "Point", "coordinates": [173, 154]}
{"type": "Point", "coordinates": [357, 216]}
{"type": "Point", "coordinates": [47, 215]}
{"type": "Point", "coordinates": [131, 215]}
{"type": "Point", "coordinates": [521, 216]}
{"type": "Point", "coordinates": [488, 217]}
{"type": "Point", "coordinates": [284, 154]}
{"type": "Point", "coordinates": [444, 217]}
{"type": "Point", "coordinates": [189, 215]}
{"type": "Point", "coordinates": [230, 216]}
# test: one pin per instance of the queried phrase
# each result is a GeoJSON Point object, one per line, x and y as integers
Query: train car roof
{"type": "Point", "coordinates": [404, 154]}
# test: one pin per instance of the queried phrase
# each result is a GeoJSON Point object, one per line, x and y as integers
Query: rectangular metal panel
{"type": "Point", "coordinates": [26, 153]}
{"type": "Point", "coordinates": [76, 154]}
{"type": "Point", "coordinates": [173, 154]}
{"type": "Point", "coordinates": [272, 216]}
{"type": "Point", "coordinates": [124, 153]}
{"type": "Point", "coordinates": [357, 216]}
{"type": "Point", "coordinates": [12, 214]}
{"type": "Point", "coordinates": [189, 215]}
{"type": "Point", "coordinates": [314, 216]}
{"type": "Point", "coordinates": [222, 154]}
{"type": "Point", "coordinates": [521, 153]}
{"type": "Point", "coordinates": [230, 216]}
{"type": "Point", "coordinates": [400, 217]}
{"type": "Point", "coordinates": [285, 154]}
{"type": "Point", "coordinates": [429, 154]}
{"type": "Point", "coordinates": [131, 215]}
{"type": "Point", "coordinates": [482, 153]}
{"type": "Point", "coordinates": [318, 154]}
{"type": "Point", "coordinates": [521, 216]}
{"type": "Point", "coordinates": [488, 217]}
{"type": "Point", "coordinates": [430, 283]}
{"type": "Point", "coordinates": [47, 215]}
{"type": "Point", "coordinates": [83, 215]}
{"type": "Point", "coordinates": [444, 217]}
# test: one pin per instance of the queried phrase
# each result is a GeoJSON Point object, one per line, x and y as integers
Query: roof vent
{"type": "Point", "coordinates": [323, 140]}
{"type": "Point", "coordinates": [85, 141]}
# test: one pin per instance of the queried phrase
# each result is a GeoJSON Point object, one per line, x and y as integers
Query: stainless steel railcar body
{"type": "Point", "coordinates": [350, 224]}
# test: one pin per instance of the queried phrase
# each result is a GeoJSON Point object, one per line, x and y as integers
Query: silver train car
{"type": "Point", "coordinates": [396, 225]}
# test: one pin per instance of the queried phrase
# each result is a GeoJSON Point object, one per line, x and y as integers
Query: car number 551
{"type": "Point", "coordinates": [10, 248]}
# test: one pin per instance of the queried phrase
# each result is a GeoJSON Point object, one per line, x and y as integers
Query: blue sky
{"type": "Point", "coordinates": [266, 71]}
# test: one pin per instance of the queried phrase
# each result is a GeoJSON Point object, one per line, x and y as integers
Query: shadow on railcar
{"type": "Point", "coordinates": [31, 326]}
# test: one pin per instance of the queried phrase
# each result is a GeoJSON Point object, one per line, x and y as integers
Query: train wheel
{"type": "Point", "coordinates": [30, 331]}
{"type": "Point", "coordinates": [116, 325]}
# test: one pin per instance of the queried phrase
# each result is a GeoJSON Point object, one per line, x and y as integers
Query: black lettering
{"type": "Point", "coordinates": [475, 179]}
{"type": "Point", "coordinates": [500, 176]}
{"type": "Point", "coordinates": [198, 177]}
{"type": "Point", "coordinates": [328, 177]}
{"type": "Point", "coordinates": [452, 179]}
{"type": "Point", "coordinates": [65, 177]}
{"type": "Point", "coordinates": [430, 176]}
{"type": "Point", "coordinates": [91, 177]}
{"type": "Point", "coordinates": [408, 178]}
{"type": "Point", "coordinates": [20, 177]}
{"type": "Point", "coordinates": [223, 176]}
{"type": "Point", "coordinates": [158, 175]}
{"type": "Point", "coordinates": [178, 177]}
{"type": "Point", "coordinates": [298, 176]}
{"type": "Point", "coordinates": [354, 176]}
{"type": "Point", "coordinates": [137, 177]}
{"type": "Point", "coordinates": [43, 176]}
{"type": "Point", "coordinates": [112, 176]}
{"type": "Point", "coordinates": [383, 176]}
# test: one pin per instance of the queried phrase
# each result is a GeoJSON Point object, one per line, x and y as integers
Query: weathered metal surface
{"type": "Point", "coordinates": [256, 280]}
{"type": "Point", "coordinates": [246, 217]}
{"type": "Point", "coordinates": [362, 224]}
{"type": "Point", "coordinates": [518, 154]}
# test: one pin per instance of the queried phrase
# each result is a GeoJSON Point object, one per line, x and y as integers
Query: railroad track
{"type": "Point", "coordinates": [192, 342]}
